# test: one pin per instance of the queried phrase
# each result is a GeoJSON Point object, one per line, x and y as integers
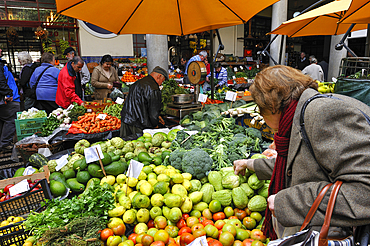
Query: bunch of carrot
{"type": "Point", "coordinates": [90, 123]}
{"type": "Point", "coordinates": [212, 101]}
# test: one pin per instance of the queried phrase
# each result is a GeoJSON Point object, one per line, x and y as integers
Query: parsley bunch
{"type": "Point", "coordinates": [95, 201]}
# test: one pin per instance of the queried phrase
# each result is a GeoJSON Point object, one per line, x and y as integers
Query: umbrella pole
{"type": "Point", "coordinates": [266, 53]}
{"type": "Point", "coordinates": [341, 43]}
{"type": "Point", "coordinates": [211, 67]}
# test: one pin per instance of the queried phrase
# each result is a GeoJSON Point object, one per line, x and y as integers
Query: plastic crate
{"type": "Point", "coordinates": [355, 68]}
{"type": "Point", "coordinates": [22, 205]}
{"type": "Point", "coordinates": [27, 127]}
{"type": "Point", "coordinates": [13, 234]}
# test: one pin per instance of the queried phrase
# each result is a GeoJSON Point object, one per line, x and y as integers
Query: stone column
{"type": "Point", "coordinates": [157, 51]}
{"type": "Point", "coordinates": [335, 56]}
{"type": "Point", "coordinates": [279, 15]}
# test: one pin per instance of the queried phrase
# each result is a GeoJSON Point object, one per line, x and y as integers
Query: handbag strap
{"type": "Point", "coordinates": [315, 206]}
{"type": "Point", "coordinates": [323, 238]}
{"type": "Point", "coordinates": [38, 79]}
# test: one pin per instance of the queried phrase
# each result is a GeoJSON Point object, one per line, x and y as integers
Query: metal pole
{"type": "Point", "coordinates": [367, 48]}
{"type": "Point", "coordinates": [281, 48]}
{"type": "Point", "coordinates": [211, 66]}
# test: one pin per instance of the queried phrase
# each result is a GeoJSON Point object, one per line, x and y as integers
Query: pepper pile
{"type": "Point", "coordinates": [91, 123]}
{"type": "Point", "coordinates": [212, 101]}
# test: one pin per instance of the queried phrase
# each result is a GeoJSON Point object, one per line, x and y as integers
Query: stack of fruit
{"type": "Point", "coordinates": [128, 77]}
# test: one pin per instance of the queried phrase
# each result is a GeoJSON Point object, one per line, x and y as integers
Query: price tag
{"type": "Point", "coordinates": [70, 107]}
{"type": "Point", "coordinates": [28, 171]}
{"type": "Point", "coordinates": [91, 155]}
{"type": "Point", "coordinates": [101, 116]}
{"type": "Point", "coordinates": [334, 79]}
{"type": "Point", "coordinates": [230, 96]}
{"type": "Point", "coordinates": [120, 100]}
{"type": "Point", "coordinates": [235, 69]}
{"type": "Point", "coordinates": [134, 169]}
{"type": "Point", "coordinates": [61, 162]}
{"type": "Point", "coordinates": [202, 98]}
{"type": "Point", "coordinates": [89, 110]}
{"type": "Point", "coordinates": [199, 241]}
{"type": "Point", "coordinates": [234, 77]}
{"type": "Point", "coordinates": [241, 68]}
{"type": "Point", "coordinates": [19, 188]}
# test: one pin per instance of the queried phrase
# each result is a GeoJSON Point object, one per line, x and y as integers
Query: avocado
{"type": "Point", "coordinates": [115, 158]}
{"type": "Point", "coordinates": [107, 159]}
{"type": "Point", "coordinates": [60, 178]}
{"type": "Point", "coordinates": [75, 185]}
{"type": "Point", "coordinates": [144, 156]}
{"type": "Point", "coordinates": [80, 165]}
{"type": "Point", "coordinates": [116, 168]}
{"type": "Point", "coordinates": [95, 171]}
{"type": "Point", "coordinates": [111, 154]}
{"type": "Point", "coordinates": [54, 174]}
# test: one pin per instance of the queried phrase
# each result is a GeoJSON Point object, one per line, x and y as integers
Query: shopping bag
{"type": "Point", "coordinates": [308, 237]}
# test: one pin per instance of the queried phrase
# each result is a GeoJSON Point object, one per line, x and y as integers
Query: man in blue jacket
{"type": "Point", "coordinates": [9, 106]}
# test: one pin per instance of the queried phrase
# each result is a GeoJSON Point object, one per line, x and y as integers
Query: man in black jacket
{"type": "Point", "coordinates": [143, 104]}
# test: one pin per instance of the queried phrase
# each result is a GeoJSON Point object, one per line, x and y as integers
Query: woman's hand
{"type": "Point", "coordinates": [271, 204]}
{"type": "Point", "coordinates": [109, 86]}
{"type": "Point", "coordinates": [241, 165]}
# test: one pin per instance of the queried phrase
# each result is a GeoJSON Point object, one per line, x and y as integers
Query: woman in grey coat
{"type": "Point", "coordinates": [340, 138]}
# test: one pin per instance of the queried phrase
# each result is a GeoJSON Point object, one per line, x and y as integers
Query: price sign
{"type": "Point", "coordinates": [235, 69]}
{"type": "Point", "coordinates": [202, 98]}
{"type": "Point", "coordinates": [230, 96]}
{"type": "Point", "coordinates": [19, 188]}
{"type": "Point", "coordinates": [89, 110]}
{"type": "Point", "coordinates": [134, 169]}
{"type": "Point", "coordinates": [61, 162]}
{"type": "Point", "coordinates": [28, 171]}
{"type": "Point", "coordinates": [200, 241]}
{"type": "Point", "coordinates": [234, 77]}
{"type": "Point", "coordinates": [120, 100]}
{"type": "Point", "coordinates": [91, 155]}
{"type": "Point", "coordinates": [101, 116]}
{"type": "Point", "coordinates": [70, 107]}
{"type": "Point", "coordinates": [241, 68]}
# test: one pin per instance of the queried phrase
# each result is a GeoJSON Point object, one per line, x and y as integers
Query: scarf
{"type": "Point", "coordinates": [282, 138]}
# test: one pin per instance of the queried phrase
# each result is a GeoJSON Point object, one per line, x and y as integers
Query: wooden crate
{"type": "Point", "coordinates": [32, 177]}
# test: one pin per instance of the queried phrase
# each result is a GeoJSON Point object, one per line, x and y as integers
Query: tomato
{"type": "Point", "coordinates": [119, 230]}
{"type": "Point", "coordinates": [147, 240]}
{"type": "Point", "coordinates": [186, 238]}
{"type": "Point", "coordinates": [201, 219]}
{"type": "Point", "coordinates": [233, 217]}
{"type": "Point", "coordinates": [248, 242]}
{"type": "Point", "coordinates": [197, 227]}
{"type": "Point", "coordinates": [114, 240]}
{"type": "Point", "coordinates": [105, 234]}
{"type": "Point", "coordinates": [226, 238]}
{"type": "Point", "coordinates": [214, 242]}
{"type": "Point", "coordinates": [150, 224]}
{"type": "Point", "coordinates": [185, 216]}
{"type": "Point", "coordinates": [240, 214]}
{"type": "Point", "coordinates": [207, 222]}
{"type": "Point", "coordinates": [132, 237]}
{"type": "Point", "coordinates": [184, 229]}
{"type": "Point", "coordinates": [199, 233]}
{"type": "Point", "coordinates": [219, 216]}
{"type": "Point", "coordinates": [181, 223]}
{"type": "Point", "coordinates": [158, 243]}
{"type": "Point", "coordinates": [6, 189]}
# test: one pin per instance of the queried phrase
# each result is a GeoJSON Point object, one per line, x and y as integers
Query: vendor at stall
{"type": "Point", "coordinates": [103, 77]}
{"type": "Point", "coordinates": [143, 104]}
{"type": "Point", "coordinates": [220, 73]}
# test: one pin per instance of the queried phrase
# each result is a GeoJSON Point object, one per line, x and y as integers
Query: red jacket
{"type": "Point", "coordinates": [66, 94]}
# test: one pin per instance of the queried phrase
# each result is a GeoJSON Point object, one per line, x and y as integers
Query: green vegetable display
{"type": "Point", "coordinates": [50, 124]}
{"type": "Point", "coordinates": [95, 201]}
{"type": "Point", "coordinates": [76, 111]}
{"type": "Point", "coordinates": [170, 87]}
{"type": "Point", "coordinates": [114, 110]}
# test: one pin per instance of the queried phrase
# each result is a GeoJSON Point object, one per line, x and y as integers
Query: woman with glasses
{"type": "Point", "coordinates": [338, 148]}
{"type": "Point", "coordinates": [103, 77]}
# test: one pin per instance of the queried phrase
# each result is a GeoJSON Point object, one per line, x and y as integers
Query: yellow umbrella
{"type": "Point", "coordinates": [358, 12]}
{"type": "Point", "coordinates": [171, 17]}
{"type": "Point", "coordinates": [320, 21]}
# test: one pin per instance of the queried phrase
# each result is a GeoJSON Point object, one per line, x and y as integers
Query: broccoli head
{"type": "Point", "coordinates": [196, 162]}
{"type": "Point", "coordinates": [253, 133]}
{"type": "Point", "coordinates": [176, 158]}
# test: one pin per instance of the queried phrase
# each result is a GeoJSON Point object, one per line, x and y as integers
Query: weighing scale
{"type": "Point", "coordinates": [197, 73]}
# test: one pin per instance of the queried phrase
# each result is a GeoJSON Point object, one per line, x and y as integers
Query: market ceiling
{"type": "Point", "coordinates": [170, 17]}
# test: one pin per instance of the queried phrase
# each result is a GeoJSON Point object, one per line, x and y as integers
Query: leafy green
{"type": "Point", "coordinates": [114, 110]}
{"type": "Point", "coordinates": [170, 87]}
{"type": "Point", "coordinates": [94, 201]}
{"type": "Point", "coordinates": [49, 125]}
{"type": "Point", "coordinates": [76, 111]}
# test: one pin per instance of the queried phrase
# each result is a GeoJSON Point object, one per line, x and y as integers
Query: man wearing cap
{"type": "Point", "coordinates": [143, 104]}
{"type": "Point", "coordinates": [84, 75]}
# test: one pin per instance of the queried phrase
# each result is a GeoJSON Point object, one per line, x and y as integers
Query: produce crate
{"type": "Point", "coordinates": [26, 150]}
{"type": "Point", "coordinates": [27, 127]}
{"type": "Point", "coordinates": [31, 200]}
{"type": "Point", "coordinates": [13, 234]}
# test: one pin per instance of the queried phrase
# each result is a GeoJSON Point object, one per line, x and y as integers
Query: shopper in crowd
{"type": "Point", "coordinates": [208, 66]}
{"type": "Point", "coordinates": [182, 64]}
{"type": "Point", "coordinates": [220, 73]}
{"type": "Point", "coordinates": [84, 74]}
{"type": "Point", "coordinates": [339, 136]}
{"type": "Point", "coordinates": [314, 71]}
{"type": "Point", "coordinates": [143, 104]}
{"type": "Point", "coordinates": [66, 94]}
{"type": "Point", "coordinates": [310, 58]}
{"type": "Point", "coordinates": [9, 106]}
{"type": "Point", "coordinates": [302, 61]}
{"type": "Point", "coordinates": [45, 79]}
{"type": "Point", "coordinates": [103, 77]}
{"type": "Point", "coordinates": [200, 57]}
{"type": "Point", "coordinates": [28, 67]}
{"type": "Point", "coordinates": [325, 67]}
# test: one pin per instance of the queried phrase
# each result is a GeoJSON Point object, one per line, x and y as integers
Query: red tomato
{"type": "Point", "coordinates": [186, 238]}
{"type": "Point", "coordinates": [219, 216]}
{"type": "Point", "coordinates": [6, 189]}
{"type": "Point", "coordinates": [150, 224]}
{"type": "Point", "coordinates": [201, 219]}
{"type": "Point", "coordinates": [184, 229]}
{"type": "Point", "coordinates": [119, 230]}
{"type": "Point", "coordinates": [207, 222]}
{"type": "Point", "coordinates": [132, 237]}
{"type": "Point", "coordinates": [185, 216]}
{"type": "Point", "coordinates": [181, 223]}
{"type": "Point", "coordinates": [105, 234]}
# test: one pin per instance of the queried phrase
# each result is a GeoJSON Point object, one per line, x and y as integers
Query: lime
{"type": "Point", "coordinates": [157, 160]}
{"type": "Point", "coordinates": [83, 177]}
{"type": "Point", "coordinates": [147, 169]}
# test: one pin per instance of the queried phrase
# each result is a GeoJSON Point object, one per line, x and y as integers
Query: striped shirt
{"type": "Point", "coordinates": [221, 76]}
